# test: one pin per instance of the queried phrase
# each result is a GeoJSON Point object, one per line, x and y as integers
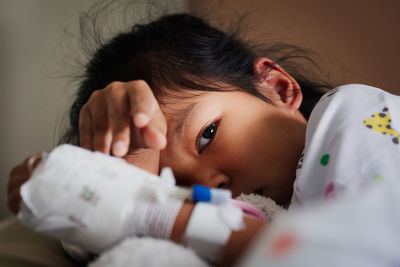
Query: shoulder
{"type": "Point", "coordinates": [349, 108]}
{"type": "Point", "coordinates": [351, 92]}
{"type": "Point", "coordinates": [352, 140]}
{"type": "Point", "coordinates": [347, 99]}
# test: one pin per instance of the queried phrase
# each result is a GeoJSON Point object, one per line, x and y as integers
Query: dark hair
{"type": "Point", "coordinates": [181, 52]}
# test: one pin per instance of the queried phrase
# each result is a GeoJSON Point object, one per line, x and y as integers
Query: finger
{"type": "Point", "coordinates": [119, 118]}
{"type": "Point", "coordinates": [17, 170]}
{"type": "Point", "coordinates": [16, 181]}
{"type": "Point", "coordinates": [13, 201]}
{"type": "Point", "coordinates": [85, 128]}
{"type": "Point", "coordinates": [18, 175]}
{"type": "Point", "coordinates": [136, 138]}
{"type": "Point", "coordinates": [143, 104]}
{"type": "Point", "coordinates": [154, 133]}
{"type": "Point", "coordinates": [32, 162]}
{"type": "Point", "coordinates": [101, 132]}
{"type": "Point", "coordinates": [153, 138]}
{"type": "Point", "coordinates": [102, 138]}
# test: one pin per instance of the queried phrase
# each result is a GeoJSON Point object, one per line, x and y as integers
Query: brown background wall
{"type": "Point", "coordinates": [358, 40]}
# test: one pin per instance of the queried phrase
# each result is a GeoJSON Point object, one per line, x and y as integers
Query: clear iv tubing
{"type": "Point", "coordinates": [200, 193]}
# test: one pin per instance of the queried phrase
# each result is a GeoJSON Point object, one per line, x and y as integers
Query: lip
{"type": "Point", "coordinates": [249, 209]}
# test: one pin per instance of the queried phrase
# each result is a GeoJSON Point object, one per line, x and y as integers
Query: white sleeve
{"type": "Point", "coordinates": [348, 188]}
{"type": "Point", "coordinates": [352, 142]}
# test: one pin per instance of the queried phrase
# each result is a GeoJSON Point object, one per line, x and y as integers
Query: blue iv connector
{"type": "Point", "coordinates": [202, 193]}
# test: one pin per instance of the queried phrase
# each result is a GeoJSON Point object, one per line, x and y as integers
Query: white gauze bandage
{"type": "Point", "coordinates": [210, 227]}
{"type": "Point", "coordinates": [94, 201]}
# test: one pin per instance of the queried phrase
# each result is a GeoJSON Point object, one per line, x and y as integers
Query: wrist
{"type": "Point", "coordinates": [237, 243]}
{"type": "Point", "coordinates": [155, 218]}
{"type": "Point", "coordinates": [181, 222]}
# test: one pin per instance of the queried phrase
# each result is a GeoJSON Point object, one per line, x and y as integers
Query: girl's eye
{"type": "Point", "coordinates": [206, 137]}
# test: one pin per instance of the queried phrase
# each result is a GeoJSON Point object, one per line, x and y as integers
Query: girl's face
{"type": "Point", "coordinates": [234, 140]}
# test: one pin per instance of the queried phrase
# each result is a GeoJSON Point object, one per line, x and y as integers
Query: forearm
{"type": "Point", "coordinates": [237, 243]}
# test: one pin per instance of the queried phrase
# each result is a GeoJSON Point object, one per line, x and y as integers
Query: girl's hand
{"type": "Point", "coordinates": [19, 175]}
{"type": "Point", "coordinates": [125, 120]}
{"type": "Point", "coordinates": [123, 116]}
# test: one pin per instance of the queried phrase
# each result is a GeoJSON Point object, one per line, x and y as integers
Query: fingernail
{"type": "Point", "coordinates": [119, 148]}
{"type": "Point", "coordinates": [141, 119]}
{"type": "Point", "coordinates": [162, 140]}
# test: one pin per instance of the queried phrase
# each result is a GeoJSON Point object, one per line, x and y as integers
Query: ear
{"type": "Point", "coordinates": [276, 84]}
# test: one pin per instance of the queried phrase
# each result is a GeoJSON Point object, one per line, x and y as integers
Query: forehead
{"type": "Point", "coordinates": [178, 107]}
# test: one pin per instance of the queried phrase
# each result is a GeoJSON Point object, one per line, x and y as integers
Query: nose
{"type": "Point", "coordinates": [219, 180]}
{"type": "Point", "coordinates": [216, 179]}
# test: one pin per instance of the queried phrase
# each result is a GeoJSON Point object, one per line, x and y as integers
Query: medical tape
{"type": "Point", "coordinates": [210, 227]}
{"type": "Point", "coordinates": [156, 219]}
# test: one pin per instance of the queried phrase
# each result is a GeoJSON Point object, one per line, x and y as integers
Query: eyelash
{"type": "Point", "coordinates": [214, 130]}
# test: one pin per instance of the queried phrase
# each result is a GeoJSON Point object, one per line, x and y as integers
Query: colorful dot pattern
{"type": "Point", "coordinates": [283, 244]}
{"type": "Point", "coordinates": [325, 159]}
{"type": "Point", "coordinates": [381, 123]}
{"type": "Point", "coordinates": [378, 178]}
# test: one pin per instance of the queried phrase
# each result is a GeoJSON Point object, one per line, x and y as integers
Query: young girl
{"type": "Point", "coordinates": [179, 93]}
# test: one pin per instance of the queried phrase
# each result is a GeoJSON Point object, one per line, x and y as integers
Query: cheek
{"type": "Point", "coordinates": [250, 157]}
{"type": "Point", "coordinates": [259, 151]}
{"type": "Point", "coordinates": [253, 144]}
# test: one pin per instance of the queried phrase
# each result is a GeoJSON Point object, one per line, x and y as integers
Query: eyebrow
{"type": "Point", "coordinates": [183, 115]}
